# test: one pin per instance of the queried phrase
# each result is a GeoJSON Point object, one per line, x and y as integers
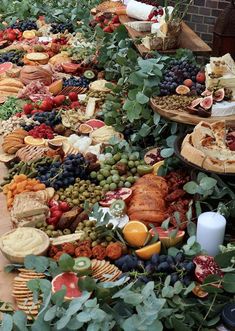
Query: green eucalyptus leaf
{"type": "Point", "coordinates": [87, 284]}
{"type": "Point", "coordinates": [171, 140]}
{"type": "Point", "coordinates": [229, 283]}
{"type": "Point", "coordinates": [156, 118]}
{"type": "Point", "coordinates": [191, 187]}
{"type": "Point", "coordinates": [224, 259]}
{"type": "Point", "coordinates": [62, 323]}
{"type": "Point", "coordinates": [7, 323]}
{"type": "Point", "coordinates": [172, 251]}
{"type": "Point", "coordinates": [50, 314]}
{"type": "Point", "coordinates": [66, 262]}
{"type": "Point", "coordinates": [58, 297]}
{"type": "Point", "coordinates": [207, 183]}
{"type": "Point", "coordinates": [165, 224]}
{"type": "Point", "coordinates": [133, 298]}
{"type": "Point", "coordinates": [142, 98]}
{"type": "Point", "coordinates": [179, 325]}
{"type": "Point", "coordinates": [189, 288]}
{"type": "Point", "coordinates": [167, 152]}
{"type": "Point", "coordinates": [144, 130]}
{"type": "Point", "coordinates": [173, 233]}
{"type": "Point", "coordinates": [39, 263]}
{"type": "Point", "coordinates": [84, 317]}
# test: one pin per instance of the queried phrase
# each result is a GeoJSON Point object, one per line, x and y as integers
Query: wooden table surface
{"type": "Point", "coordinates": [188, 39]}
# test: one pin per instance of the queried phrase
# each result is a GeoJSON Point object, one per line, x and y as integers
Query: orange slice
{"type": "Point", "coordinates": [136, 233]}
{"type": "Point", "coordinates": [29, 140]}
{"type": "Point", "coordinates": [29, 34]}
{"type": "Point", "coordinates": [147, 252]}
{"type": "Point", "coordinates": [56, 87]}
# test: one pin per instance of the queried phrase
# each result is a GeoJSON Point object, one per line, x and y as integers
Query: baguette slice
{"type": "Point", "coordinates": [192, 154]}
{"type": "Point", "coordinates": [214, 165]}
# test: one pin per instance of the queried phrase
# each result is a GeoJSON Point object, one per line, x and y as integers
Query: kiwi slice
{"type": "Point", "coordinates": [89, 74]}
{"type": "Point", "coordinates": [82, 265]}
{"type": "Point", "coordinates": [118, 208]}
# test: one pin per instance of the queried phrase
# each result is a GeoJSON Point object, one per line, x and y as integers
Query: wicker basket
{"type": "Point", "coordinates": [171, 41]}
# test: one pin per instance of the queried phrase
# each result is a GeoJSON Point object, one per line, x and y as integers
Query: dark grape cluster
{"type": "Point", "coordinates": [28, 127]}
{"type": "Point", "coordinates": [51, 118]}
{"type": "Point", "coordinates": [176, 73]}
{"type": "Point", "coordinates": [62, 174]}
{"type": "Point", "coordinates": [73, 81]}
{"type": "Point", "coordinates": [179, 268]}
{"type": "Point", "coordinates": [24, 25]}
{"type": "Point", "coordinates": [61, 28]}
{"type": "Point", "coordinates": [12, 56]}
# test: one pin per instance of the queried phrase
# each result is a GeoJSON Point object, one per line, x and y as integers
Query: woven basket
{"type": "Point", "coordinates": [171, 41]}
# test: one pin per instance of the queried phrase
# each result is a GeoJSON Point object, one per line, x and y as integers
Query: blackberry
{"type": "Point", "coordinates": [25, 25]}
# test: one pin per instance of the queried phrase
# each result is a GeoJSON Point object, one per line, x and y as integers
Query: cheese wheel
{"type": "Point", "coordinates": [139, 10]}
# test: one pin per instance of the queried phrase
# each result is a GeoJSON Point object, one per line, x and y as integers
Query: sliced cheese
{"type": "Point", "coordinates": [140, 26]}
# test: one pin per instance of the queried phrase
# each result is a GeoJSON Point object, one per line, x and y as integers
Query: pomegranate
{"type": "Point", "coordinates": [205, 266]}
{"type": "Point", "coordinates": [121, 193]}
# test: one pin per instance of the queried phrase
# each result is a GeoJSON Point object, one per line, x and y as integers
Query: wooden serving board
{"type": "Point", "coordinates": [188, 39]}
{"type": "Point", "coordinates": [186, 118]}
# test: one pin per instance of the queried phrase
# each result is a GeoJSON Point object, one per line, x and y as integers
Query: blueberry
{"type": "Point", "coordinates": [190, 267]}
{"type": "Point", "coordinates": [149, 268]}
{"type": "Point", "coordinates": [140, 265]}
{"type": "Point", "coordinates": [186, 280]}
{"type": "Point", "coordinates": [155, 259]}
{"type": "Point", "coordinates": [170, 259]}
{"type": "Point", "coordinates": [162, 258]}
{"type": "Point", "coordinates": [163, 267]}
{"type": "Point", "coordinates": [179, 257]}
{"type": "Point", "coordinates": [174, 278]}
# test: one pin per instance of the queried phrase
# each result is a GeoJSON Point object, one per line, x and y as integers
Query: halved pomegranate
{"type": "Point", "coordinates": [205, 266]}
{"type": "Point", "coordinates": [121, 193]}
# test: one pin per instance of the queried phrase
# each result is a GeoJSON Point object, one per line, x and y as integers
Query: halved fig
{"type": "Point", "coordinates": [182, 90]}
{"type": "Point", "coordinates": [206, 93]}
{"type": "Point", "coordinates": [207, 102]}
{"type": "Point", "coordinates": [198, 292]}
{"type": "Point", "coordinates": [219, 95]}
{"type": "Point", "coordinates": [205, 266]}
{"type": "Point", "coordinates": [121, 193]}
{"type": "Point", "coordinates": [196, 102]}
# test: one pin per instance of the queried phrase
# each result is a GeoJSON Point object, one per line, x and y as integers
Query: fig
{"type": "Point", "coordinates": [201, 77]}
{"type": "Point", "coordinates": [196, 102]}
{"type": "Point", "coordinates": [203, 112]}
{"type": "Point", "coordinates": [205, 266]}
{"type": "Point", "coordinates": [188, 82]}
{"type": "Point", "coordinates": [182, 90]}
{"type": "Point", "coordinates": [192, 110]}
{"type": "Point", "coordinates": [207, 102]}
{"type": "Point", "coordinates": [121, 168]}
{"type": "Point", "coordinates": [206, 93]}
{"type": "Point", "coordinates": [219, 95]}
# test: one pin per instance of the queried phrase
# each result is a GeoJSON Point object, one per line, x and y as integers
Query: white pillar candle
{"type": "Point", "coordinates": [210, 231]}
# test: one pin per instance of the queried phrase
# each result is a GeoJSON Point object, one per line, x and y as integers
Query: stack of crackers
{"type": "Point", "coordinates": [22, 294]}
{"type": "Point", "coordinates": [104, 271]}
{"type": "Point", "coordinates": [14, 141]}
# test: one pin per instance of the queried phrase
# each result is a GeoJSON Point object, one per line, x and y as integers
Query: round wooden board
{"type": "Point", "coordinates": [186, 118]}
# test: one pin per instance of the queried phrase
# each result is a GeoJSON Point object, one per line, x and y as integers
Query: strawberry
{"type": "Point", "coordinates": [73, 96]}
{"type": "Point", "coordinates": [34, 111]}
{"type": "Point", "coordinates": [27, 108]}
{"type": "Point", "coordinates": [59, 100]}
{"type": "Point", "coordinates": [108, 29]}
{"type": "Point", "coordinates": [46, 105]}
{"type": "Point", "coordinates": [75, 104]}
{"type": "Point", "coordinates": [115, 19]}
{"type": "Point", "coordinates": [106, 21]}
{"type": "Point", "coordinates": [11, 36]}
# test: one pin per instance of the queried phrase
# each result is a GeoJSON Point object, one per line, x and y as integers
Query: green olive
{"type": "Point", "coordinates": [104, 244]}
{"type": "Point", "coordinates": [108, 238]}
{"type": "Point", "coordinates": [49, 233]}
{"type": "Point", "coordinates": [51, 227]}
{"type": "Point", "coordinates": [94, 243]}
{"type": "Point", "coordinates": [66, 231]}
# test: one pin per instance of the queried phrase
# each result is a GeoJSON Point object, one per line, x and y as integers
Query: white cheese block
{"type": "Point", "coordinates": [141, 26]}
{"type": "Point", "coordinates": [223, 108]}
{"type": "Point", "coordinates": [139, 10]}
{"type": "Point", "coordinates": [155, 27]}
